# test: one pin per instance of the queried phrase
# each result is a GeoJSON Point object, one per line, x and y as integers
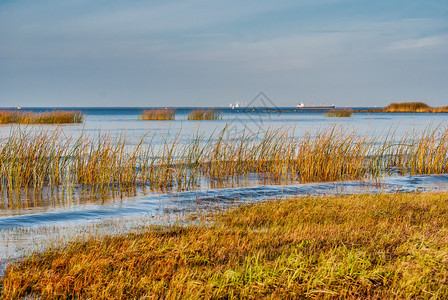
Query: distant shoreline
{"type": "Point", "coordinates": [404, 107]}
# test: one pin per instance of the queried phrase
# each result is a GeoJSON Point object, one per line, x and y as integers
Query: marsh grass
{"type": "Point", "coordinates": [50, 159]}
{"type": "Point", "coordinates": [347, 247]}
{"type": "Point", "coordinates": [53, 117]}
{"type": "Point", "coordinates": [204, 114]}
{"type": "Point", "coordinates": [411, 107]}
{"type": "Point", "coordinates": [158, 114]}
{"type": "Point", "coordinates": [340, 113]}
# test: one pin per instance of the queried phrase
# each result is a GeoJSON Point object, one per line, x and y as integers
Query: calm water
{"type": "Point", "coordinates": [40, 220]}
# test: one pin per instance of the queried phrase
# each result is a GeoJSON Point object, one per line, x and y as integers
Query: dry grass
{"type": "Point", "coordinates": [340, 113]}
{"type": "Point", "coordinates": [53, 117]}
{"type": "Point", "coordinates": [158, 114]}
{"type": "Point", "coordinates": [204, 114]}
{"type": "Point", "coordinates": [351, 247]}
{"type": "Point", "coordinates": [52, 160]}
{"type": "Point", "coordinates": [411, 107]}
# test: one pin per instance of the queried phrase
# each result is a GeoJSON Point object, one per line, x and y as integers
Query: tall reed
{"type": "Point", "coordinates": [53, 117]}
{"type": "Point", "coordinates": [51, 159]}
{"type": "Point", "coordinates": [158, 114]}
{"type": "Point", "coordinates": [411, 107]}
{"type": "Point", "coordinates": [204, 114]}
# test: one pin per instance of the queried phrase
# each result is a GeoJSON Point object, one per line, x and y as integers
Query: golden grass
{"type": "Point", "coordinates": [340, 113]}
{"type": "Point", "coordinates": [158, 114]}
{"type": "Point", "coordinates": [53, 117]}
{"type": "Point", "coordinates": [411, 107]}
{"type": "Point", "coordinates": [204, 114]}
{"type": "Point", "coordinates": [51, 159]}
{"type": "Point", "coordinates": [350, 247]}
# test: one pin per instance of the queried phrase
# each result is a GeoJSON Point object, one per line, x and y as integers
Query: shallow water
{"type": "Point", "coordinates": [40, 220]}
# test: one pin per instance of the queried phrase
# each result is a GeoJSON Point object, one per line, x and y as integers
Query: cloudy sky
{"type": "Point", "coordinates": [211, 53]}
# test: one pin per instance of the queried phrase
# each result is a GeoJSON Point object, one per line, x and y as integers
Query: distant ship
{"type": "Point", "coordinates": [303, 106]}
{"type": "Point", "coordinates": [237, 105]}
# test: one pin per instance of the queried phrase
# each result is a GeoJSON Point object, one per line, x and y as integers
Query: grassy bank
{"type": "Point", "coordinates": [158, 114]}
{"type": "Point", "coordinates": [363, 247]}
{"type": "Point", "coordinates": [53, 117]}
{"type": "Point", "coordinates": [411, 107]}
{"type": "Point", "coordinates": [51, 159]}
{"type": "Point", "coordinates": [204, 114]}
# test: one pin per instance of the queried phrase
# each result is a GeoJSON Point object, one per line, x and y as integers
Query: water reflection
{"type": "Point", "coordinates": [31, 201]}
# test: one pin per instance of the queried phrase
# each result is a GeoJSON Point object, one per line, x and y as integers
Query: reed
{"type": "Point", "coordinates": [53, 117]}
{"type": "Point", "coordinates": [50, 159]}
{"type": "Point", "coordinates": [411, 107]}
{"type": "Point", "coordinates": [204, 114]}
{"type": "Point", "coordinates": [158, 114]}
{"type": "Point", "coordinates": [347, 247]}
{"type": "Point", "coordinates": [340, 113]}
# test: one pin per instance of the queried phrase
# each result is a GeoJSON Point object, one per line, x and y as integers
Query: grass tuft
{"type": "Point", "coordinates": [204, 114]}
{"type": "Point", "coordinates": [411, 107]}
{"type": "Point", "coordinates": [53, 117]}
{"type": "Point", "coordinates": [158, 114]}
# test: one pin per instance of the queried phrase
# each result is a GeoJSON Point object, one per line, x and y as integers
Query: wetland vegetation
{"type": "Point", "coordinates": [411, 107]}
{"type": "Point", "coordinates": [204, 114]}
{"type": "Point", "coordinates": [345, 247]}
{"type": "Point", "coordinates": [53, 117]}
{"type": "Point", "coordinates": [364, 246]}
{"type": "Point", "coordinates": [52, 160]}
{"type": "Point", "coordinates": [158, 114]}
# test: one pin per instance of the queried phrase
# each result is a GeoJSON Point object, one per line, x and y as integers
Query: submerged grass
{"type": "Point", "coordinates": [204, 114]}
{"type": "Point", "coordinates": [158, 114]}
{"type": "Point", "coordinates": [53, 117]}
{"type": "Point", "coordinates": [347, 247]}
{"type": "Point", "coordinates": [50, 159]}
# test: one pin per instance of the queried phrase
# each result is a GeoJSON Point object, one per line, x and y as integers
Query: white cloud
{"type": "Point", "coordinates": [420, 43]}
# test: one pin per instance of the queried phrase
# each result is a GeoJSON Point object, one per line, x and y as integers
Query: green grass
{"type": "Point", "coordinates": [158, 114]}
{"type": "Point", "coordinates": [347, 247]}
{"type": "Point", "coordinates": [204, 114]}
{"type": "Point", "coordinates": [53, 117]}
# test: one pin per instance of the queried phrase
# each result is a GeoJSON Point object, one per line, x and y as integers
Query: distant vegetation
{"type": "Point", "coordinates": [53, 117]}
{"type": "Point", "coordinates": [348, 247]}
{"type": "Point", "coordinates": [204, 114]}
{"type": "Point", "coordinates": [340, 113]}
{"type": "Point", "coordinates": [158, 114]}
{"type": "Point", "coordinates": [411, 107]}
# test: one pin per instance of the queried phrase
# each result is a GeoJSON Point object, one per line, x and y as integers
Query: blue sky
{"type": "Point", "coordinates": [211, 53]}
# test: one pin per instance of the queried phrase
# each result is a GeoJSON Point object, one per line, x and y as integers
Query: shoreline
{"type": "Point", "coordinates": [345, 246]}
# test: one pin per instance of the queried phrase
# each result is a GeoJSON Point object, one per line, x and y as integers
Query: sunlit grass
{"type": "Point", "coordinates": [158, 114]}
{"type": "Point", "coordinates": [53, 117]}
{"type": "Point", "coordinates": [204, 114]}
{"type": "Point", "coordinates": [412, 107]}
{"type": "Point", "coordinates": [350, 247]}
{"type": "Point", "coordinates": [50, 159]}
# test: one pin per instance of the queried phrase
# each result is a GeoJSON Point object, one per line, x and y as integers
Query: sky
{"type": "Point", "coordinates": [213, 53]}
